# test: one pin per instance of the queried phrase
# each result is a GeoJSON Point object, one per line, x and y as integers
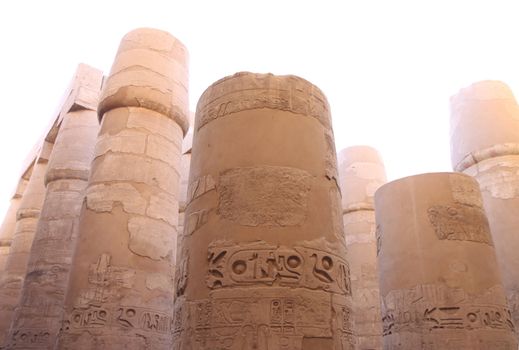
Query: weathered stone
{"type": "Point", "coordinates": [485, 145]}
{"type": "Point", "coordinates": [154, 79]}
{"type": "Point", "coordinates": [9, 223]}
{"type": "Point", "coordinates": [438, 293]}
{"type": "Point", "coordinates": [66, 178]}
{"type": "Point", "coordinates": [11, 280]}
{"type": "Point", "coordinates": [361, 173]}
{"type": "Point", "coordinates": [262, 262]}
{"type": "Point", "coordinates": [120, 293]}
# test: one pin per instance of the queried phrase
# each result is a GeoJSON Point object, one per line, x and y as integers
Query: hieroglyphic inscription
{"type": "Point", "coordinates": [430, 307]}
{"type": "Point", "coordinates": [104, 280]}
{"type": "Point", "coordinates": [121, 317]}
{"type": "Point", "coordinates": [262, 322]}
{"type": "Point", "coordinates": [272, 265]}
{"type": "Point", "coordinates": [331, 159]}
{"type": "Point", "coordinates": [29, 339]}
{"type": "Point", "coordinates": [181, 276]}
{"type": "Point", "coordinates": [264, 196]}
{"type": "Point", "coordinates": [199, 187]}
{"type": "Point", "coordinates": [195, 220]}
{"type": "Point", "coordinates": [256, 91]}
{"type": "Point", "coordinates": [460, 222]}
{"type": "Point", "coordinates": [378, 235]}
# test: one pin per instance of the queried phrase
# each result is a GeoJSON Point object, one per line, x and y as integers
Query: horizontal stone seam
{"type": "Point", "coordinates": [141, 155]}
{"type": "Point", "coordinates": [507, 149]}
{"type": "Point", "coordinates": [357, 208]}
{"type": "Point", "coordinates": [112, 182]}
{"type": "Point", "coordinates": [138, 46]}
{"type": "Point", "coordinates": [257, 108]}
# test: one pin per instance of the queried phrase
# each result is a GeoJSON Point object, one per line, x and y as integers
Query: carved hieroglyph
{"type": "Point", "coordinates": [38, 317]}
{"type": "Point", "coordinates": [120, 293]}
{"type": "Point", "coordinates": [9, 223]}
{"type": "Point", "coordinates": [439, 281]}
{"type": "Point", "coordinates": [485, 144]}
{"type": "Point", "coordinates": [11, 279]}
{"type": "Point", "coordinates": [262, 261]}
{"type": "Point", "coordinates": [362, 172]}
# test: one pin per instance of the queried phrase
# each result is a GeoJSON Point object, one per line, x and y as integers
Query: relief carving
{"type": "Point", "coordinates": [29, 339]}
{"type": "Point", "coordinates": [195, 220]}
{"type": "Point", "coordinates": [262, 322]}
{"type": "Point", "coordinates": [199, 187]}
{"type": "Point", "coordinates": [298, 96]}
{"type": "Point", "coordinates": [123, 317]}
{"type": "Point", "coordinates": [460, 222]}
{"type": "Point", "coordinates": [264, 196]}
{"type": "Point", "coordinates": [181, 276]}
{"type": "Point", "coordinates": [105, 279]}
{"type": "Point", "coordinates": [432, 307]}
{"type": "Point", "coordinates": [261, 263]}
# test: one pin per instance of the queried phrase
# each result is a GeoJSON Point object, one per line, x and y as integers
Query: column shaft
{"type": "Point", "coordinates": [439, 278]}
{"type": "Point", "coordinates": [262, 263]}
{"type": "Point", "coordinates": [362, 172]}
{"type": "Point", "coordinates": [485, 145]}
{"type": "Point", "coordinates": [120, 293]}
{"type": "Point", "coordinates": [38, 317]}
{"type": "Point", "coordinates": [16, 265]}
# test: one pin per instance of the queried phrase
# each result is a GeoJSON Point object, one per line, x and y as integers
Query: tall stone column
{"type": "Point", "coordinates": [11, 280]}
{"type": "Point", "coordinates": [485, 144]}
{"type": "Point", "coordinates": [362, 172]}
{"type": "Point", "coordinates": [262, 263]}
{"type": "Point", "coordinates": [439, 279]}
{"type": "Point", "coordinates": [120, 293]}
{"type": "Point", "coordinates": [38, 317]}
{"type": "Point", "coordinates": [9, 223]}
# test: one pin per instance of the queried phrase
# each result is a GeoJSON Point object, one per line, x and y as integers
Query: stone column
{"type": "Point", "coordinates": [185, 163]}
{"type": "Point", "coordinates": [120, 293]}
{"type": "Point", "coordinates": [11, 280]}
{"type": "Point", "coordinates": [262, 263]}
{"type": "Point", "coordinates": [39, 314]}
{"type": "Point", "coordinates": [362, 172]}
{"type": "Point", "coordinates": [9, 223]}
{"type": "Point", "coordinates": [439, 280]}
{"type": "Point", "coordinates": [485, 144]}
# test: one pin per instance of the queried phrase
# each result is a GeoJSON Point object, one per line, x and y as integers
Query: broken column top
{"type": "Point", "coordinates": [239, 92]}
{"type": "Point", "coordinates": [150, 70]}
{"type": "Point", "coordinates": [484, 123]}
{"type": "Point", "coordinates": [362, 172]}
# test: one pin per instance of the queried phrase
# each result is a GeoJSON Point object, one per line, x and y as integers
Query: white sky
{"type": "Point", "coordinates": [388, 67]}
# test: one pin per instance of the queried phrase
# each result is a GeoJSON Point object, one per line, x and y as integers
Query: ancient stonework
{"type": "Point", "coordinates": [262, 260]}
{"type": "Point", "coordinates": [38, 316]}
{"type": "Point", "coordinates": [485, 145]}
{"type": "Point", "coordinates": [120, 293]}
{"type": "Point", "coordinates": [12, 278]}
{"type": "Point", "coordinates": [9, 223]}
{"type": "Point", "coordinates": [361, 173]}
{"type": "Point", "coordinates": [439, 291]}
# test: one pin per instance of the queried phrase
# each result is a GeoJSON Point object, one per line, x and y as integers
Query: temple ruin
{"type": "Point", "coordinates": [137, 224]}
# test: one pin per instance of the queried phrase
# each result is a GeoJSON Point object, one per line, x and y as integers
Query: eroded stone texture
{"type": "Point", "coordinates": [9, 223]}
{"type": "Point", "coordinates": [485, 145]}
{"type": "Point", "coordinates": [120, 293]}
{"type": "Point", "coordinates": [438, 292]}
{"type": "Point", "coordinates": [11, 280]}
{"type": "Point", "coordinates": [262, 262]}
{"type": "Point", "coordinates": [38, 317]}
{"type": "Point", "coordinates": [185, 163]}
{"type": "Point", "coordinates": [361, 173]}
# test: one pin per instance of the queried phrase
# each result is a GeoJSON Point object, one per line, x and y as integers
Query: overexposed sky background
{"type": "Point", "coordinates": [388, 67]}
